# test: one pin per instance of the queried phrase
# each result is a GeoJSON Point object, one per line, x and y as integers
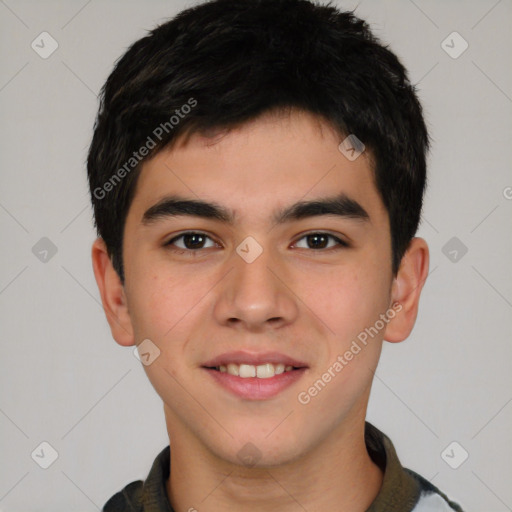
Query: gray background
{"type": "Point", "coordinates": [64, 380]}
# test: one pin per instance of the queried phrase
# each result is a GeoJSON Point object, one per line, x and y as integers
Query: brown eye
{"type": "Point", "coordinates": [190, 241]}
{"type": "Point", "coordinates": [317, 241]}
{"type": "Point", "coordinates": [193, 241]}
{"type": "Point", "coordinates": [322, 241]}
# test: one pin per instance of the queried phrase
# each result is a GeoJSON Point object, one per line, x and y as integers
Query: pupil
{"type": "Point", "coordinates": [314, 239]}
{"type": "Point", "coordinates": [192, 241]}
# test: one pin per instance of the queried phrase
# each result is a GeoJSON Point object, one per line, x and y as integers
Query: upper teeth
{"type": "Point", "coordinates": [262, 371]}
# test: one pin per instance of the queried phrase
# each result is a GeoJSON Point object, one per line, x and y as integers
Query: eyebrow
{"type": "Point", "coordinates": [175, 206]}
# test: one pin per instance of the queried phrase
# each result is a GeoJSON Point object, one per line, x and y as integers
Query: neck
{"type": "Point", "coordinates": [336, 475]}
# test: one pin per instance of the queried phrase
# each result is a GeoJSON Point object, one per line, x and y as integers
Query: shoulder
{"type": "Point", "coordinates": [431, 498]}
{"type": "Point", "coordinates": [145, 495]}
{"type": "Point", "coordinates": [403, 490]}
{"type": "Point", "coordinates": [129, 499]}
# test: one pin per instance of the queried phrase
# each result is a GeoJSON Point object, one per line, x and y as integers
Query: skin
{"type": "Point", "coordinates": [309, 303]}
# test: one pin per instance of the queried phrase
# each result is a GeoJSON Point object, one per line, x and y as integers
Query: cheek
{"type": "Point", "coordinates": [348, 298]}
{"type": "Point", "coordinates": [159, 302]}
{"type": "Point", "coordinates": [350, 301]}
{"type": "Point", "coordinates": [162, 309]}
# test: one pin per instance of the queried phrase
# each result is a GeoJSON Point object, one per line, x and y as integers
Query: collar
{"type": "Point", "coordinates": [399, 492]}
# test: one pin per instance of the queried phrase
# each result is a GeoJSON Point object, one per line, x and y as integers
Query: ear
{"type": "Point", "coordinates": [406, 290]}
{"type": "Point", "coordinates": [112, 294]}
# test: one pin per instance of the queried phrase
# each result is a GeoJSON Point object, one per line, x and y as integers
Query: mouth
{"type": "Point", "coordinates": [247, 371]}
{"type": "Point", "coordinates": [253, 376]}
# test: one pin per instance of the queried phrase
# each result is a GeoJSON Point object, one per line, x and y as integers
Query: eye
{"type": "Point", "coordinates": [321, 241]}
{"type": "Point", "coordinates": [190, 241]}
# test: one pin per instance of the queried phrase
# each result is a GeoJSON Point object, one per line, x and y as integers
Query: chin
{"type": "Point", "coordinates": [261, 445]}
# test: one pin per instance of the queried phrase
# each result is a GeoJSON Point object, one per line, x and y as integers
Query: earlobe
{"type": "Point", "coordinates": [406, 290]}
{"type": "Point", "coordinates": [112, 294]}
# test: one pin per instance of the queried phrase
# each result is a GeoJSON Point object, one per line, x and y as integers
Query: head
{"type": "Point", "coordinates": [229, 121]}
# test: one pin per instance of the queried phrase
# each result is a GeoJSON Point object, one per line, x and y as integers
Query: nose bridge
{"type": "Point", "coordinates": [251, 294]}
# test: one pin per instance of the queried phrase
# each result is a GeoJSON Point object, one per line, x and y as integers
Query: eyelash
{"type": "Point", "coordinates": [341, 244]}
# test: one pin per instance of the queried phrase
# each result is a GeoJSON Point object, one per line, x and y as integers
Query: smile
{"type": "Point", "coordinates": [254, 376]}
{"type": "Point", "coordinates": [261, 371]}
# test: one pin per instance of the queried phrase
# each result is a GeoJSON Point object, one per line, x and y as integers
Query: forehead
{"type": "Point", "coordinates": [258, 168]}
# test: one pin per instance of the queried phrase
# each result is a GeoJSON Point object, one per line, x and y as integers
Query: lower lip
{"type": "Point", "coordinates": [253, 388]}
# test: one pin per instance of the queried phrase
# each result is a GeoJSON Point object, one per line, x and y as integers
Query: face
{"type": "Point", "coordinates": [258, 280]}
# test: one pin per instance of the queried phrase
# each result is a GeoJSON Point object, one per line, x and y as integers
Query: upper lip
{"type": "Point", "coordinates": [242, 357]}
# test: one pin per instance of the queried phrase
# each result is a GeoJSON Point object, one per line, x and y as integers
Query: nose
{"type": "Point", "coordinates": [255, 296]}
